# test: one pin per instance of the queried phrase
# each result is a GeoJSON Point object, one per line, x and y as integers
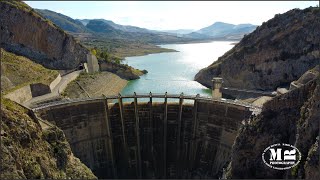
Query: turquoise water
{"type": "Point", "coordinates": [173, 72]}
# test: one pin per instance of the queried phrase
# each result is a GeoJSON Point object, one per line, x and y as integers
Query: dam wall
{"type": "Point", "coordinates": [149, 139]}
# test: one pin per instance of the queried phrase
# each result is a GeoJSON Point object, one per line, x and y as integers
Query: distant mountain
{"type": "Point", "coordinates": [107, 30]}
{"type": "Point", "coordinates": [64, 22]}
{"type": "Point", "coordinates": [125, 28]}
{"type": "Point", "coordinates": [179, 31]}
{"type": "Point", "coordinates": [226, 30]}
{"type": "Point", "coordinates": [100, 26]}
{"type": "Point", "coordinates": [196, 35]}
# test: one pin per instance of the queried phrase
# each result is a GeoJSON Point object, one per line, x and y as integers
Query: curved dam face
{"type": "Point", "coordinates": [149, 139]}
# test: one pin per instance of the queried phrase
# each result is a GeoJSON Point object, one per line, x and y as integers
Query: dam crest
{"type": "Point", "coordinates": [190, 137]}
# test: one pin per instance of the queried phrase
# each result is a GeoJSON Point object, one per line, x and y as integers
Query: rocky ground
{"type": "Point", "coordinates": [94, 85]}
{"type": "Point", "coordinates": [29, 151]}
{"type": "Point", "coordinates": [291, 118]}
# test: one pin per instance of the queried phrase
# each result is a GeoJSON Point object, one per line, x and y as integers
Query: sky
{"type": "Point", "coordinates": [170, 15]}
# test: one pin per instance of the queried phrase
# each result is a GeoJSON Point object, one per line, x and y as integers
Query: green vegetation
{"type": "Point", "coordinates": [18, 71]}
{"type": "Point", "coordinates": [104, 55]}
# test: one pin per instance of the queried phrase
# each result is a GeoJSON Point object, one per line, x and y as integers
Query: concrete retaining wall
{"type": "Point", "coordinates": [92, 63]}
{"type": "Point", "coordinates": [20, 95]}
{"type": "Point", "coordinates": [39, 89]}
{"type": "Point", "coordinates": [149, 140]}
{"type": "Point", "coordinates": [26, 93]}
{"type": "Point", "coordinates": [55, 82]}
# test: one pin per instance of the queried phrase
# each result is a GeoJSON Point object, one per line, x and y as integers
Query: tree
{"type": "Point", "coordinates": [94, 51]}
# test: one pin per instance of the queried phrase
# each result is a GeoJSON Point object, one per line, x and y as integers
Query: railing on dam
{"type": "Point", "coordinates": [150, 95]}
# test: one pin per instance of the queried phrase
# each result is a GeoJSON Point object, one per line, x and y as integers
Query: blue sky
{"type": "Point", "coordinates": [168, 15]}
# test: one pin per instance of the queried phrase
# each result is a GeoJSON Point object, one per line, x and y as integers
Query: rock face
{"type": "Point", "coordinates": [32, 149]}
{"type": "Point", "coordinates": [276, 53]}
{"type": "Point", "coordinates": [25, 32]}
{"type": "Point", "coordinates": [95, 85]}
{"type": "Point", "coordinates": [123, 71]}
{"type": "Point", "coordinates": [291, 118]}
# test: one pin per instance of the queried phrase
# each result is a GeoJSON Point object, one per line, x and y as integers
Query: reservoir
{"type": "Point", "coordinates": [173, 72]}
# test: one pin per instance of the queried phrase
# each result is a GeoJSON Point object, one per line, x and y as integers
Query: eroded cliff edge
{"type": "Point", "coordinates": [25, 32]}
{"type": "Point", "coordinates": [291, 118]}
{"type": "Point", "coordinates": [276, 53]}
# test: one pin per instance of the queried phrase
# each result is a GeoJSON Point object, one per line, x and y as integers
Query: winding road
{"type": "Point", "coordinates": [55, 93]}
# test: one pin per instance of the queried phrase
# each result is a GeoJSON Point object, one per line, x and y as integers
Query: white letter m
{"type": "Point", "coordinates": [274, 154]}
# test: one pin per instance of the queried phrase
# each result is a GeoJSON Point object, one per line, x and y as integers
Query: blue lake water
{"type": "Point", "coordinates": [173, 72]}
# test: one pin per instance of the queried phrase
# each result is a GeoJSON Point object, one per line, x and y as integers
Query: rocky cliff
{"type": "Point", "coordinates": [25, 32]}
{"type": "Point", "coordinates": [33, 149]}
{"type": "Point", "coordinates": [276, 53]}
{"type": "Point", "coordinates": [123, 71]}
{"type": "Point", "coordinates": [291, 118]}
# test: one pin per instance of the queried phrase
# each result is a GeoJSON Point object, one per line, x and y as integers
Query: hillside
{"type": "Point", "coordinates": [41, 40]}
{"type": "Point", "coordinates": [64, 22]}
{"type": "Point", "coordinates": [179, 31]}
{"type": "Point", "coordinates": [108, 36]}
{"type": "Point", "coordinates": [17, 71]}
{"type": "Point", "coordinates": [291, 118]}
{"type": "Point", "coordinates": [32, 149]}
{"type": "Point", "coordinates": [276, 53]}
{"type": "Point", "coordinates": [120, 43]}
{"type": "Point", "coordinates": [125, 28]}
{"type": "Point", "coordinates": [106, 30]}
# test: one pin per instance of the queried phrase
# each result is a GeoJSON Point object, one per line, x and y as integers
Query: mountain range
{"type": "Point", "coordinates": [226, 30]}
{"type": "Point", "coordinates": [126, 28]}
{"type": "Point", "coordinates": [218, 30]}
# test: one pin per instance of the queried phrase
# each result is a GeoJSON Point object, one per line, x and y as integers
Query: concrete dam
{"type": "Point", "coordinates": [150, 136]}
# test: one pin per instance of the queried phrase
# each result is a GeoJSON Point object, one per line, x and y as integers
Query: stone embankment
{"type": "Point", "coordinates": [95, 85]}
